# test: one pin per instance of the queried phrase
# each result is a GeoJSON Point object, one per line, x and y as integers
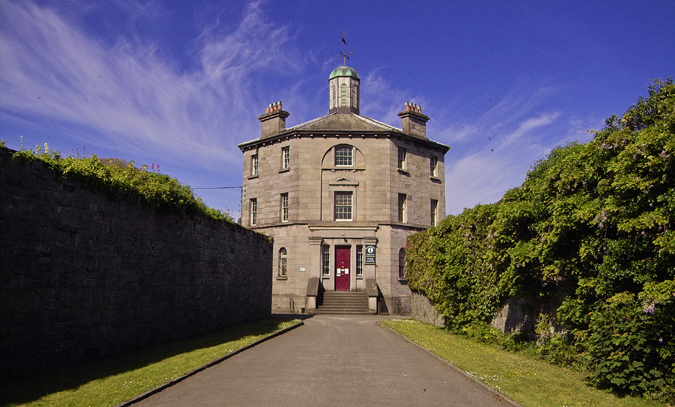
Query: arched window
{"type": "Point", "coordinates": [355, 96]}
{"type": "Point", "coordinates": [283, 265]}
{"type": "Point", "coordinates": [334, 97]}
{"type": "Point", "coordinates": [402, 269]}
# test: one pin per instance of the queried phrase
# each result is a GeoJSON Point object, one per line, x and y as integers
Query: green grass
{"type": "Point", "coordinates": [112, 381]}
{"type": "Point", "coordinates": [526, 380]}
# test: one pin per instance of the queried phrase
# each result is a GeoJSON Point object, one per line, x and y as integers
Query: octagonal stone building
{"type": "Point", "coordinates": [340, 194]}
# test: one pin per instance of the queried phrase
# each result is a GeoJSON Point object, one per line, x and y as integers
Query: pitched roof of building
{"type": "Point", "coordinates": [343, 121]}
{"type": "Point", "coordinates": [114, 161]}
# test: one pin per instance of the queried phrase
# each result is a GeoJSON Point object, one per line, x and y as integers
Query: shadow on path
{"type": "Point", "coordinates": [28, 389]}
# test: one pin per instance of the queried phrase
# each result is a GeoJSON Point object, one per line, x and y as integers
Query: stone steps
{"type": "Point", "coordinates": [344, 303]}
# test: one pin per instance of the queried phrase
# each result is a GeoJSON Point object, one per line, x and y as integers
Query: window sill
{"type": "Point", "coordinates": [282, 277]}
{"type": "Point", "coordinates": [402, 171]}
{"type": "Point", "coordinates": [284, 170]}
{"type": "Point", "coordinates": [435, 179]}
{"type": "Point", "coordinates": [252, 176]}
{"type": "Point", "coordinates": [403, 280]}
{"type": "Point", "coordinates": [325, 277]}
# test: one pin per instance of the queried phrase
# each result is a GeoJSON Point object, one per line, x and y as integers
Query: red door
{"type": "Point", "coordinates": [342, 269]}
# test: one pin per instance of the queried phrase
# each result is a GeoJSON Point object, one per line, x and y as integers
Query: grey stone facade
{"type": "Point", "coordinates": [328, 189]}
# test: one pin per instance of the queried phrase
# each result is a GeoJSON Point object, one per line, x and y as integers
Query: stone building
{"type": "Point", "coordinates": [340, 194]}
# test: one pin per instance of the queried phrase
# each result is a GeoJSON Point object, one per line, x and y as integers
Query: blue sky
{"type": "Point", "coordinates": [180, 83]}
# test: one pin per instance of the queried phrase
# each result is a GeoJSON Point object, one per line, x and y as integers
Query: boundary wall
{"type": "Point", "coordinates": [422, 310]}
{"type": "Point", "coordinates": [83, 276]}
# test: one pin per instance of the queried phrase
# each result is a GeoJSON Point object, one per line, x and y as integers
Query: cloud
{"type": "Point", "coordinates": [382, 100]}
{"type": "Point", "coordinates": [533, 123]}
{"type": "Point", "coordinates": [130, 95]}
{"type": "Point", "coordinates": [484, 175]}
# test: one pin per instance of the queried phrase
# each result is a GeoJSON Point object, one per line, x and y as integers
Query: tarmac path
{"type": "Point", "coordinates": [330, 361]}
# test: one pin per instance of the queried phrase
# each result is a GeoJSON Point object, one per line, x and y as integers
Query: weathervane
{"type": "Point", "coordinates": [344, 55]}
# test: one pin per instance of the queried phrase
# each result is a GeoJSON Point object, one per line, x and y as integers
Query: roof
{"type": "Point", "coordinates": [343, 121]}
{"type": "Point", "coordinates": [344, 71]}
{"type": "Point", "coordinates": [114, 161]}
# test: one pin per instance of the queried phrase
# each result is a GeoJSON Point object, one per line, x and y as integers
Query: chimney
{"type": "Point", "coordinates": [413, 122]}
{"type": "Point", "coordinates": [273, 121]}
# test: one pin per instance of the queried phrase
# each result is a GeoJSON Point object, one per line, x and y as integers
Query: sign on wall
{"type": "Point", "coordinates": [370, 254]}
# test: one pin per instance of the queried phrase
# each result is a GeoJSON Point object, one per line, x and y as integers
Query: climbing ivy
{"type": "Point", "coordinates": [147, 187]}
{"type": "Point", "coordinates": [587, 236]}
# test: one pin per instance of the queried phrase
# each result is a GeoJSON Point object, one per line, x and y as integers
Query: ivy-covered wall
{"type": "Point", "coordinates": [83, 275]}
{"type": "Point", "coordinates": [586, 243]}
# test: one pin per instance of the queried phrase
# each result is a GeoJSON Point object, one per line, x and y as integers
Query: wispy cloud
{"type": "Point", "coordinates": [130, 95]}
{"type": "Point", "coordinates": [382, 100]}
{"type": "Point", "coordinates": [493, 152]}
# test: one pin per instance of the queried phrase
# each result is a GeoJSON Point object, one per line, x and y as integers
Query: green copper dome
{"type": "Point", "coordinates": [344, 71]}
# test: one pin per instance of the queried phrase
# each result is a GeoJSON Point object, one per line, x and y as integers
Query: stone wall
{"type": "Point", "coordinates": [83, 276]}
{"type": "Point", "coordinates": [515, 316]}
{"type": "Point", "coordinates": [422, 310]}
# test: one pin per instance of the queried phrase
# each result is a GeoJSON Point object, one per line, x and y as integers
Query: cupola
{"type": "Point", "coordinates": [343, 85]}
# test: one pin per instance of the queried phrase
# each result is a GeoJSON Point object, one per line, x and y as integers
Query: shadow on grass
{"type": "Point", "coordinates": [28, 389]}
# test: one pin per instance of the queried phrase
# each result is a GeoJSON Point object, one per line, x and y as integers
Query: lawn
{"type": "Point", "coordinates": [112, 381]}
{"type": "Point", "coordinates": [522, 378]}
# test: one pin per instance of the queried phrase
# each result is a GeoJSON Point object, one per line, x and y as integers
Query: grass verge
{"type": "Point", "coordinates": [109, 382]}
{"type": "Point", "coordinates": [525, 380]}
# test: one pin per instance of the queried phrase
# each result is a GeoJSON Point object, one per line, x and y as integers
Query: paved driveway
{"type": "Point", "coordinates": [330, 361]}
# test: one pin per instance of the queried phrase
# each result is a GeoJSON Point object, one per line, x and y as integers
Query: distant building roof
{"type": "Point", "coordinates": [114, 161]}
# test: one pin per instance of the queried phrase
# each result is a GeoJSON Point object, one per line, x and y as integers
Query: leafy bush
{"type": "Point", "coordinates": [628, 342]}
{"type": "Point", "coordinates": [153, 189]}
{"type": "Point", "coordinates": [483, 333]}
{"type": "Point", "coordinates": [591, 224]}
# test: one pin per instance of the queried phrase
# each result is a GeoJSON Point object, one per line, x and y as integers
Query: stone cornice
{"type": "Point", "coordinates": [340, 134]}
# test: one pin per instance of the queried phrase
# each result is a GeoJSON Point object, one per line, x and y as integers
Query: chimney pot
{"type": "Point", "coordinates": [413, 122]}
{"type": "Point", "coordinates": [273, 121]}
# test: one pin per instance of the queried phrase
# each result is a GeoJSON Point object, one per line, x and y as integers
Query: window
{"type": "Point", "coordinates": [359, 261]}
{"type": "Point", "coordinates": [283, 262]}
{"type": "Point", "coordinates": [434, 212]}
{"type": "Point", "coordinates": [284, 207]}
{"type": "Point", "coordinates": [402, 269]}
{"type": "Point", "coordinates": [432, 165]}
{"type": "Point", "coordinates": [343, 156]}
{"type": "Point", "coordinates": [254, 211]}
{"type": "Point", "coordinates": [401, 208]}
{"type": "Point", "coordinates": [325, 260]}
{"type": "Point", "coordinates": [401, 158]}
{"type": "Point", "coordinates": [343, 94]}
{"type": "Point", "coordinates": [254, 164]}
{"type": "Point", "coordinates": [285, 157]}
{"type": "Point", "coordinates": [355, 90]}
{"type": "Point", "coordinates": [343, 206]}
{"type": "Point", "coordinates": [334, 97]}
